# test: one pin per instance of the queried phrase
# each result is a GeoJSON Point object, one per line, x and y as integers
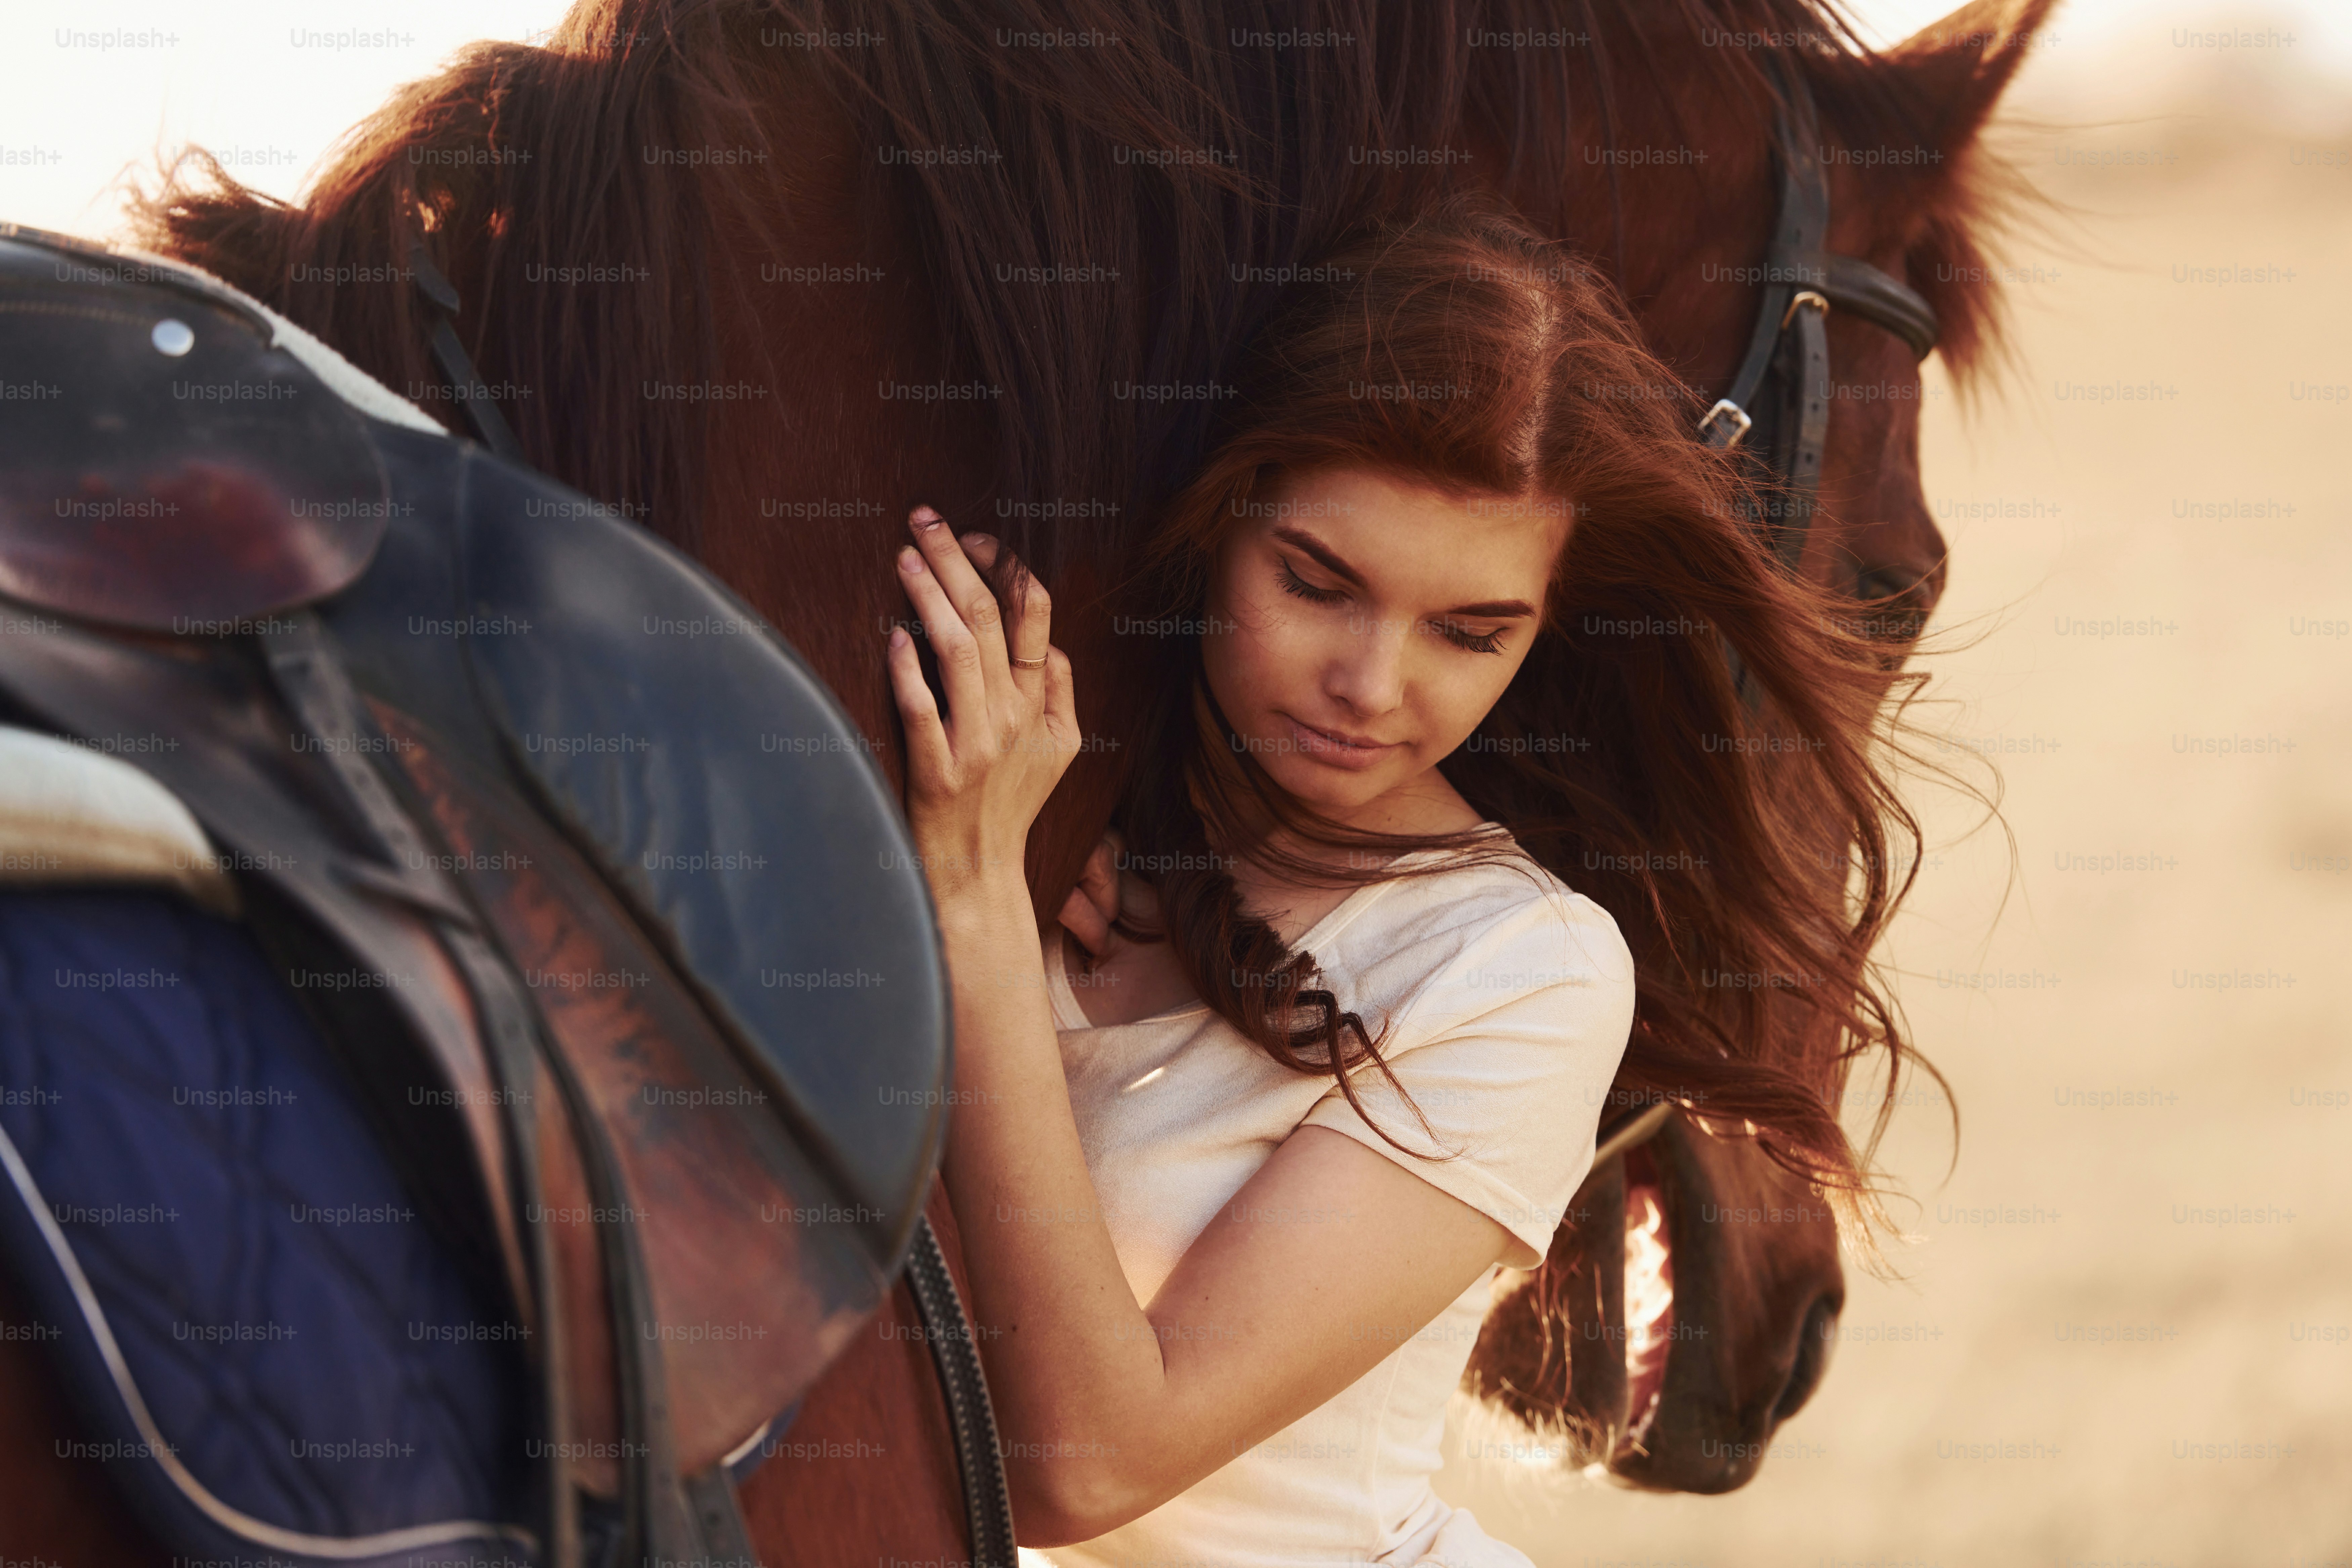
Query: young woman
{"type": "Point", "coordinates": [1447, 686]}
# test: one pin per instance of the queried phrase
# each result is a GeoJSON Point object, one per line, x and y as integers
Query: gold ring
{"type": "Point", "coordinates": [1028, 664]}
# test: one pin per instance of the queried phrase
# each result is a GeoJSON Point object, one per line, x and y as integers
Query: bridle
{"type": "Point", "coordinates": [1777, 413]}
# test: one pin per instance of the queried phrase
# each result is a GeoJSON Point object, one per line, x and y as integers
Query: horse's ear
{"type": "Point", "coordinates": [1959, 66]}
{"type": "Point", "coordinates": [1945, 81]}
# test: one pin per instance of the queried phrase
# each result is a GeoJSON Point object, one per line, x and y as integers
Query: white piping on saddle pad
{"type": "Point", "coordinates": [219, 1512]}
{"type": "Point", "coordinates": [350, 382]}
{"type": "Point", "coordinates": [69, 814]}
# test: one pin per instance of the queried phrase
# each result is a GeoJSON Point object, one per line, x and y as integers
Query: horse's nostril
{"type": "Point", "coordinates": [1811, 1361]}
{"type": "Point", "coordinates": [1898, 603]}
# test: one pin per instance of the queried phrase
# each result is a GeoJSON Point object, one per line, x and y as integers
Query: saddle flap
{"type": "Point", "coordinates": [165, 465]}
{"type": "Point", "coordinates": [724, 793]}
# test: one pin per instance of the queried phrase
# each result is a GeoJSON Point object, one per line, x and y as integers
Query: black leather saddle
{"type": "Point", "coordinates": [647, 994]}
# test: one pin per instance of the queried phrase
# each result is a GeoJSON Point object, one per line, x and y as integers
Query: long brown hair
{"type": "Point", "coordinates": [1626, 756]}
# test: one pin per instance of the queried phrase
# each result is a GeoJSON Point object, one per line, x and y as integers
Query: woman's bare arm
{"type": "Point", "coordinates": [1326, 1260]}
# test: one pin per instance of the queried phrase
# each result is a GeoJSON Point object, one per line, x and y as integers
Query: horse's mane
{"type": "Point", "coordinates": [518, 156]}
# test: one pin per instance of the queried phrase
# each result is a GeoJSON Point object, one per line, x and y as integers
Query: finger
{"type": "Point", "coordinates": [1028, 608]}
{"type": "Point", "coordinates": [1082, 921]}
{"type": "Point", "coordinates": [1061, 711]}
{"type": "Point", "coordinates": [974, 599]}
{"type": "Point", "coordinates": [959, 655]}
{"type": "Point", "coordinates": [928, 757]}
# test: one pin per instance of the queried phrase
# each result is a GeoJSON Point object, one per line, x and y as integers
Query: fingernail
{"type": "Point", "coordinates": [924, 517]}
{"type": "Point", "coordinates": [898, 637]}
{"type": "Point", "coordinates": [911, 561]}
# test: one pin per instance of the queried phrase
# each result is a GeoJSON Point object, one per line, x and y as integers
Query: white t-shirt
{"type": "Point", "coordinates": [1508, 999]}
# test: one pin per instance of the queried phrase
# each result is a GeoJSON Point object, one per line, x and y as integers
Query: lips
{"type": "Point", "coordinates": [1337, 749]}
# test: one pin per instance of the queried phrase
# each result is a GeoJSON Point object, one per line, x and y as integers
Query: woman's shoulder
{"type": "Point", "coordinates": [1473, 934]}
{"type": "Point", "coordinates": [1503, 1000]}
{"type": "Point", "coordinates": [1502, 893]}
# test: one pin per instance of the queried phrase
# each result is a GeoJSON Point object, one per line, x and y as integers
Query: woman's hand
{"type": "Point", "coordinates": [977, 778]}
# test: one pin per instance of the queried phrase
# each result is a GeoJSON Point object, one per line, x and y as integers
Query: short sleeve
{"type": "Point", "coordinates": [1508, 1048]}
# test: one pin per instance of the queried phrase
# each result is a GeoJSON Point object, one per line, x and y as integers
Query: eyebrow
{"type": "Point", "coordinates": [1329, 558]}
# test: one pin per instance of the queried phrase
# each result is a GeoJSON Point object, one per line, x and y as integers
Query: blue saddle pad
{"type": "Point", "coordinates": [272, 1353]}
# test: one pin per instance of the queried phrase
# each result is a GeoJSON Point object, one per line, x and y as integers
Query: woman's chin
{"type": "Point", "coordinates": [1328, 790]}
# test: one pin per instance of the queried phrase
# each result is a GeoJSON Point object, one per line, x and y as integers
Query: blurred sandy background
{"type": "Point", "coordinates": [2109, 1086]}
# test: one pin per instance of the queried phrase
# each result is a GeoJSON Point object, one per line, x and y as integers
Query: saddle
{"type": "Point", "coordinates": [639, 977]}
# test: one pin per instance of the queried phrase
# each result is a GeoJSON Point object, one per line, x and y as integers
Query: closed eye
{"type": "Point", "coordinates": [1451, 631]}
{"type": "Point", "coordinates": [1293, 583]}
{"type": "Point", "coordinates": [1461, 636]}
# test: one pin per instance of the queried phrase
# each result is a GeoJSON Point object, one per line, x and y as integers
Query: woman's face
{"type": "Point", "coordinates": [1359, 628]}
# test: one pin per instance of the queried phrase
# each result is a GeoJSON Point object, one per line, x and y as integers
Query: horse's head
{"type": "Point", "coordinates": [1675, 196]}
{"type": "Point", "coordinates": [1911, 191]}
{"type": "Point", "coordinates": [1690, 1300]}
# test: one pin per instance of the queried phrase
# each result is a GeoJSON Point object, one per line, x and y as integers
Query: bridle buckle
{"type": "Point", "coordinates": [1804, 297]}
{"type": "Point", "coordinates": [1725, 409]}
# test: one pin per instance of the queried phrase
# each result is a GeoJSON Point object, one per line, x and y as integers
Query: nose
{"type": "Point", "coordinates": [1816, 1338]}
{"type": "Point", "coordinates": [1367, 673]}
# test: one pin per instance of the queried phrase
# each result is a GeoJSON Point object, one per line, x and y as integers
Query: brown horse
{"type": "Point", "coordinates": [769, 273]}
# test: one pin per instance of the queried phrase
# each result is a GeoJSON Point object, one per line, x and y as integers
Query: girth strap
{"type": "Point", "coordinates": [988, 1501]}
{"type": "Point", "coordinates": [726, 1540]}
{"type": "Point", "coordinates": [315, 687]}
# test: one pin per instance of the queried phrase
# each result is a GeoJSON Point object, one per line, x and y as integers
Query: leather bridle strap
{"type": "Point", "coordinates": [466, 383]}
{"type": "Point", "coordinates": [1800, 229]}
{"type": "Point", "coordinates": [1855, 287]}
{"type": "Point", "coordinates": [1789, 344]}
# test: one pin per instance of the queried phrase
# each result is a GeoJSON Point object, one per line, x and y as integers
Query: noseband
{"type": "Point", "coordinates": [1777, 412]}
